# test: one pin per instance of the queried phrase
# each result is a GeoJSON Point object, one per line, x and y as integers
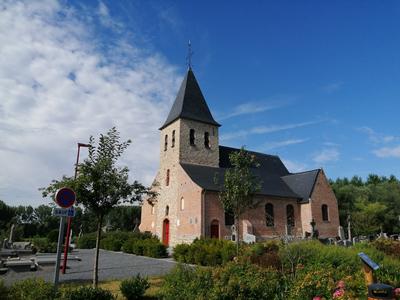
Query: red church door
{"type": "Point", "coordinates": [215, 229]}
{"type": "Point", "coordinates": [166, 232]}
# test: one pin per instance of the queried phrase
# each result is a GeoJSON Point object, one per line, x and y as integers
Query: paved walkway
{"type": "Point", "coordinates": [112, 265]}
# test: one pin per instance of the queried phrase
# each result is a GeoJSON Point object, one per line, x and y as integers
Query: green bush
{"type": "Point", "coordinates": [114, 240]}
{"type": "Point", "coordinates": [4, 291]}
{"type": "Point", "coordinates": [185, 282]}
{"type": "Point", "coordinates": [88, 293]}
{"type": "Point", "coordinates": [52, 236]}
{"type": "Point", "coordinates": [147, 247]}
{"type": "Point", "coordinates": [389, 247]}
{"type": "Point", "coordinates": [232, 281]}
{"type": "Point", "coordinates": [310, 283]}
{"type": "Point", "coordinates": [134, 288]}
{"type": "Point", "coordinates": [205, 252]}
{"type": "Point", "coordinates": [43, 245]}
{"type": "Point", "coordinates": [181, 252]}
{"type": "Point", "coordinates": [87, 241]}
{"type": "Point", "coordinates": [265, 255]}
{"type": "Point", "coordinates": [246, 281]}
{"type": "Point", "coordinates": [32, 289]}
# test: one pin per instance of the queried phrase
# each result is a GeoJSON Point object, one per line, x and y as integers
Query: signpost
{"type": "Point", "coordinates": [64, 212]}
{"type": "Point", "coordinates": [65, 198]}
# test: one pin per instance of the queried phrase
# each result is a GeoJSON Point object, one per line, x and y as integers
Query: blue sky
{"type": "Point", "coordinates": [315, 82]}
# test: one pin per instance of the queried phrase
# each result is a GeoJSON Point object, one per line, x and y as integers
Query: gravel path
{"type": "Point", "coordinates": [112, 265]}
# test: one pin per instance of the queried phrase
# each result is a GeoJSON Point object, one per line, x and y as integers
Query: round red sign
{"type": "Point", "coordinates": [65, 197]}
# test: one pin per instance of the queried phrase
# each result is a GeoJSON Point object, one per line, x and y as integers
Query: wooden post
{"type": "Point", "coordinates": [368, 274]}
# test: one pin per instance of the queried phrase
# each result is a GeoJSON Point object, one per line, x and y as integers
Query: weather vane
{"type": "Point", "coordinates": [189, 56]}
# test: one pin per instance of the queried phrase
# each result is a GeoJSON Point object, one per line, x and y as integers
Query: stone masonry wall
{"type": "Point", "coordinates": [198, 154]}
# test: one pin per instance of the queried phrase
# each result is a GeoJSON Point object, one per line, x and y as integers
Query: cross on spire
{"type": "Point", "coordinates": [189, 55]}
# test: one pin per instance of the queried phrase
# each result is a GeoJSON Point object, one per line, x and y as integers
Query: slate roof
{"type": "Point", "coordinates": [190, 103]}
{"type": "Point", "coordinates": [276, 179]}
{"type": "Point", "coordinates": [302, 183]}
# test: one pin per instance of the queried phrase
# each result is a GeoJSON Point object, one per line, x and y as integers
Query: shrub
{"type": "Point", "coordinates": [32, 289]}
{"type": "Point", "coordinates": [147, 247]}
{"type": "Point", "coordinates": [4, 291]}
{"type": "Point", "coordinates": [312, 282]}
{"type": "Point", "coordinates": [154, 248]}
{"type": "Point", "coordinates": [232, 281]}
{"type": "Point", "coordinates": [205, 252]}
{"type": "Point", "coordinates": [87, 241]}
{"type": "Point", "coordinates": [181, 252]}
{"type": "Point", "coordinates": [246, 281]}
{"type": "Point", "coordinates": [43, 245]}
{"type": "Point", "coordinates": [266, 255]}
{"type": "Point", "coordinates": [185, 282]}
{"type": "Point", "coordinates": [114, 240]}
{"type": "Point", "coordinates": [134, 288]}
{"type": "Point", "coordinates": [52, 236]}
{"type": "Point", "coordinates": [389, 247]}
{"type": "Point", "coordinates": [88, 293]}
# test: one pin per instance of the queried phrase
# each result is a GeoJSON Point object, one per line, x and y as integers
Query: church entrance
{"type": "Point", "coordinates": [165, 238]}
{"type": "Point", "coordinates": [215, 229]}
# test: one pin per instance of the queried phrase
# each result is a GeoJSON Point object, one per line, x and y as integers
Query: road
{"type": "Point", "coordinates": [112, 265]}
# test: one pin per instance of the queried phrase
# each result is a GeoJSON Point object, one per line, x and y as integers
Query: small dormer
{"type": "Point", "coordinates": [190, 133]}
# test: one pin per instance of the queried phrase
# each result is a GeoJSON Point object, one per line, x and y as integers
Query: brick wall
{"type": "Point", "coordinates": [256, 216]}
{"type": "Point", "coordinates": [323, 194]}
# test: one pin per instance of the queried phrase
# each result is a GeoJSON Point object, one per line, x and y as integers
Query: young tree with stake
{"type": "Point", "coordinates": [101, 184]}
{"type": "Point", "coordinates": [240, 186]}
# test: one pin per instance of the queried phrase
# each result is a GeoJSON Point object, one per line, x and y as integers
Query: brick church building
{"type": "Point", "coordinates": [187, 205]}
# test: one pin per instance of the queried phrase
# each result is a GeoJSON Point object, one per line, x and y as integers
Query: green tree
{"type": "Point", "coordinates": [240, 186]}
{"type": "Point", "coordinates": [124, 217]}
{"type": "Point", "coordinates": [101, 184]}
{"type": "Point", "coordinates": [7, 213]}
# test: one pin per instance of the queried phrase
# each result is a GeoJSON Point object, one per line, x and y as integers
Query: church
{"type": "Point", "coordinates": [187, 204]}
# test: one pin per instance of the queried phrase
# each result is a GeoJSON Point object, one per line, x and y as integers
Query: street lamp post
{"type": "Point", "coordinates": [64, 266]}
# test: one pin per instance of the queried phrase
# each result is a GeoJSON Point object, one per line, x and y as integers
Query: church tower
{"type": "Point", "coordinates": [190, 133]}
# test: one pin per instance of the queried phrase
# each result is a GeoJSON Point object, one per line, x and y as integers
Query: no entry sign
{"type": "Point", "coordinates": [65, 197]}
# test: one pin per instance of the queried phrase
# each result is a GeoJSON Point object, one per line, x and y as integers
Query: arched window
{"type": "Point", "coordinates": [290, 215]}
{"type": "Point", "coordinates": [325, 214]}
{"type": "Point", "coordinates": [167, 210]}
{"type": "Point", "coordinates": [191, 139]}
{"type": "Point", "coordinates": [207, 140]}
{"type": "Point", "coordinates": [173, 139]}
{"type": "Point", "coordinates": [166, 142]}
{"type": "Point", "coordinates": [182, 203]}
{"type": "Point", "coordinates": [269, 214]}
{"type": "Point", "coordinates": [167, 178]}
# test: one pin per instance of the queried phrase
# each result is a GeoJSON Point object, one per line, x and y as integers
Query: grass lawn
{"type": "Point", "coordinates": [113, 287]}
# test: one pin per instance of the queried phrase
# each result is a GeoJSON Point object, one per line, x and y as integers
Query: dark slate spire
{"type": "Point", "coordinates": [190, 103]}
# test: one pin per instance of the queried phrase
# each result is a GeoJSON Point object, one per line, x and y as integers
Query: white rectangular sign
{"type": "Point", "coordinates": [64, 212]}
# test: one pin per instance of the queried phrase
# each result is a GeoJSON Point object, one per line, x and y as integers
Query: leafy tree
{"type": "Point", "coordinates": [124, 217]}
{"type": "Point", "coordinates": [101, 184]}
{"type": "Point", "coordinates": [240, 186]}
{"type": "Point", "coordinates": [7, 213]}
{"type": "Point", "coordinates": [373, 204]}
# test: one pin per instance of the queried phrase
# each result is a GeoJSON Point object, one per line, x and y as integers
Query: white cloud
{"type": "Point", "coordinates": [294, 166]}
{"type": "Point", "coordinates": [264, 129]}
{"type": "Point", "coordinates": [332, 87]}
{"type": "Point", "coordinates": [375, 137]}
{"type": "Point", "coordinates": [279, 144]}
{"type": "Point", "coordinates": [57, 89]}
{"type": "Point", "coordinates": [249, 108]}
{"type": "Point", "coordinates": [388, 152]}
{"type": "Point", "coordinates": [326, 155]}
